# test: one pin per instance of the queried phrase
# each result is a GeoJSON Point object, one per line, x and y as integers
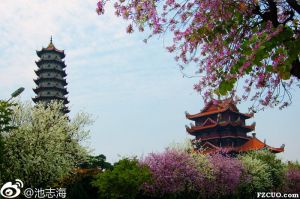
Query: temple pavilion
{"type": "Point", "coordinates": [220, 126]}
{"type": "Point", "coordinates": [51, 82]}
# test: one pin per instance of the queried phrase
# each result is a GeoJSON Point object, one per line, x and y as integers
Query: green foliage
{"type": "Point", "coordinates": [46, 144]}
{"type": "Point", "coordinates": [5, 116]}
{"type": "Point", "coordinates": [204, 166]}
{"type": "Point", "coordinates": [5, 125]}
{"type": "Point", "coordinates": [275, 166]}
{"type": "Point", "coordinates": [226, 86]}
{"type": "Point", "coordinates": [123, 181]}
{"type": "Point", "coordinates": [95, 162]}
{"type": "Point", "coordinates": [78, 184]}
{"type": "Point", "coordinates": [256, 177]}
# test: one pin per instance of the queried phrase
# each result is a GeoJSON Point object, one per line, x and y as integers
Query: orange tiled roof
{"type": "Point", "coordinates": [251, 145]}
{"type": "Point", "coordinates": [256, 144]}
{"type": "Point", "coordinates": [218, 107]}
{"type": "Point", "coordinates": [218, 104]}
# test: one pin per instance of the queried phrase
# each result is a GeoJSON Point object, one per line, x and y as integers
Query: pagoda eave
{"type": "Point", "coordinates": [39, 71]}
{"type": "Point", "coordinates": [199, 115]}
{"type": "Point", "coordinates": [39, 89]}
{"type": "Point", "coordinates": [61, 53]}
{"type": "Point", "coordinates": [38, 80]}
{"type": "Point", "coordinates": [255, 144]}
{"type": "Point", "coordinates": [43, 61]}
{"type": "Point", "coordinates": [66, 110]}
{"type": "Point", "coordinates": [196, 129]}
{"type": "Point", "coordinates": [50, 98]}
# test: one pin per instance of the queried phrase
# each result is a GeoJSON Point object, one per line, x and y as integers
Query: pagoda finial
{"type": "Point", "coordinates": [51, 45]}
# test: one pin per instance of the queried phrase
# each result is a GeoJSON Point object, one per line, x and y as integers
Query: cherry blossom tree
{"type": "Point", "coordinates": [253, 44]}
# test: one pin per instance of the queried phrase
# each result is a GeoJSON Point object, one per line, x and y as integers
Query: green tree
{"type": "Point", "coordinates": [123, 181]}
{"type": "Point", "coordinates": [95, 162]}
{"type": "Point", "coordinates": [275, 166]}
{"type": "Point", "coordinates": [78, 183]}
{"type": "Point", "coordinates": [45, 146]}
{"type": "Point", "coordinates": [256, 176]}
{"type": "Point", "coordinates": [5, 125]}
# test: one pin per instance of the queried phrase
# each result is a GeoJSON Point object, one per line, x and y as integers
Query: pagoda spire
{"type": "Point", "coordinates": [51, 45]}
{"type": "Point", "coordinates": [51, 82]}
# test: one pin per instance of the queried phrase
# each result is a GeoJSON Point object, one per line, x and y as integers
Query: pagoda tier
{"type": "Point", "coordinates": [50, 89]}
{"type": "Point", "coordinates": [51, 79]}
{"type": "Point", "coordinates": [38, 99]}
{"type": "Point", "coordinates": [51, 75]}
{"type": "Point", "coordinates": [198, 130]}
{"type": "Point", "coordinates": [39, 72]}
{"type": "Point", "coordinates": [221, 126]}
{"type": "Point", "coordinates": [52, 50]}
{"type": "Point", "coordinates": [252, 144]}
{"type": "Point", "coordinates": [216, 107]}
{"type": "Point", "coordinates": [45, 62]}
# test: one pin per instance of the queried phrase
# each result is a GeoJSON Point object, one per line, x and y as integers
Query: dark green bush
{"type": "Point", "coordinates": [124, 180]}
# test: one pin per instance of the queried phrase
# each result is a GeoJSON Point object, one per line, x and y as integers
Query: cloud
{"type": "Point", "coordinates": [26, 26]}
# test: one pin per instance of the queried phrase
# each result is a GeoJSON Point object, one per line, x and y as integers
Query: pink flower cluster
{"type": "Point", "coordinates": [173, 172]}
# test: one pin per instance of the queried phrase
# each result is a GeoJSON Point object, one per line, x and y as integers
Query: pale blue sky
{"type": "Point", "coordinates": [134, 90]}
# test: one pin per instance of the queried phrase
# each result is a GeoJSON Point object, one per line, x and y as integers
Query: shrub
{"type": "Point", "coordinates": [124, 180]}
{"type": "Point", "coordinates": [276, 167]}
{"type": "Point", "coordinates": [256, 176]}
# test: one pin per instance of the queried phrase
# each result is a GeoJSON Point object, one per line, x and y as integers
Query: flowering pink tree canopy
{"type": "Point", "coordinates": [172, 172]}
{"type": "Point", "coordinates": [253, 42]}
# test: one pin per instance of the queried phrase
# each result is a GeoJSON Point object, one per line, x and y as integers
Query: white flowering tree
{"type": "Point", "coordinates": [46, 145]}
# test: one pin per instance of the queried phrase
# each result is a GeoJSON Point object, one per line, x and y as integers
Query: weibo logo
{"type": "Point", "coordinates": [10, 190]}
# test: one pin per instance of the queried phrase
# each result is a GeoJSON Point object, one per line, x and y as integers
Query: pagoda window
{"type": "Point", "coordinates": [49, 56]}
{"type": "Point", "coordinates": [48, 93]}
{"type": "Point", "coordinates": [49, 83]}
